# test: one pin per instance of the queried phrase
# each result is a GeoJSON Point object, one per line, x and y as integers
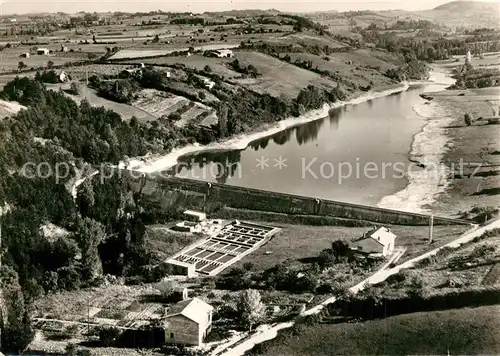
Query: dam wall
{"type": "Point", "coordinates": [179, 193]}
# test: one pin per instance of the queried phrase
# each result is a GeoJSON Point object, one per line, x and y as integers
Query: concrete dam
{"type": "Point", "coordinates": [171, 193]}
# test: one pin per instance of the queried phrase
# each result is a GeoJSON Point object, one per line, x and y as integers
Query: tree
{"type": "Point", "coordinates": [166, 288]}
{"type": "Point", "coordinates": [108, 335]}
{"type": "Point", "coordinates": [70, 349]}
{"type": "Point", "coordinates": [222, 123]}
{"type": "Point", "coordinates": [50, 64]}
{"type": "Point", "coordinates": [468, 119]}
{"type": "Point", "coordinates": [21, 65]}
{"type": "Point", "coordinates": [89, 235]}
{"type": "Point", "coordinates": [250, 307]}
{"type": "Point", "coordinates": [73, 89]}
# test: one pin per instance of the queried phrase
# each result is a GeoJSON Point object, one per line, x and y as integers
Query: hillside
{"type": "Point", "coordinates": [458, 331]}
{"type": "Point", "coordinates": [472, 14]}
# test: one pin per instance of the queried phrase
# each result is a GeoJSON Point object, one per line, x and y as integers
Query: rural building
{"type": "Point", "coordinates": [375, 243]}
{"type": "Point", "coordinates": [221, 53]}
{"type": "Point", "coordinates": [194, 216]}
{"type": "Point", "coordinates": [208, 83]}
{"type": "Point", "coordinates": [180, 268]}
{"type": "Point", "coordinates": [42, 51]}
{"type": "Point", "coordinates": [188, 226]}
{"type": "Point", "coordinates": [64, 49]}
{"type": "Point", "coordinates": [63, 77]}
{"type": "Point", "coordinates": [188, 322]}
{"type": "Point", "coordinates": [25, 55]}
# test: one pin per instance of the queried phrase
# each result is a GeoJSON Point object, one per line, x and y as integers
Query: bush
{"type": "Point", "coordinates": [108, 335]}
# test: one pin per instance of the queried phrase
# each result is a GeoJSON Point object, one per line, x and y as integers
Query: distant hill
{"type": "Point", "coordinates": [470, 14]}
{"type": "Point", "coordinates": [464, 13]}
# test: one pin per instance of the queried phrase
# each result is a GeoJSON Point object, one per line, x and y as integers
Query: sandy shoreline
{"type": "Point", "coordinates": [155, 163]}
{"type": "Point", "coordinates": [427, 176]}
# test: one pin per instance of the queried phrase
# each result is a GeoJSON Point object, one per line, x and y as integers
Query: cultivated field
{"type": "Point", "coordinates": [138, 53]}
{"type": "Point", "coordinates": [196, 61]}
{"type": "Point", "coordinates": [10, 58]}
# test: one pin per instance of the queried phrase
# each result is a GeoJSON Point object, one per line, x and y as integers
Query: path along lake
{"type": "Point", "coordinates": [359, 153]}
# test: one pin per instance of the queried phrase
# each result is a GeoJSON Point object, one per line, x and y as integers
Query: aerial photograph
{"type": "Point", "coordinates": [249, 177]}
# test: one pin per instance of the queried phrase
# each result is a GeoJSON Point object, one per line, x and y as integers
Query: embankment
{"type": "Point", "coordinates": [171, 193]}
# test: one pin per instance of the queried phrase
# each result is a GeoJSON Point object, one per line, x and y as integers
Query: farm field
{"type": "Point", "coordinates": [11, 58]}
{"type": "Point", "coordinates": [196, 61]}
{"type": "Point", "coordinates": [458, 331]}
{"type": "Point", "coordinates": [138, 53]}
{"type": "Point", "coordinates": [157, 104]}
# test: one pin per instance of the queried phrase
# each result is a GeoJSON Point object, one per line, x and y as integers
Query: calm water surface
{"type": "Point", "coordinates": [357, 154]}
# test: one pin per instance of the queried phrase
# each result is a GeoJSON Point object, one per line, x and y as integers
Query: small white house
{"type": "Point", "coordinates": [42, 51]}
{"type": "Point", "coordinates": [376, 243]}
{"type": "Point", "coordinates": [63, 77]}
{"type": "Point", "coordinates": [194, 216]}
{"type": "Point", "coordinates": [25, 55]}
{"type": "Point", "coordinates": [188, 322]}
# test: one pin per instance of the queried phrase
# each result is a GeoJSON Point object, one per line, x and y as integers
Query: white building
{"type": "Point", "coordinates": [194, 216]}
{"type": "Point", "coordinates": [43, 51]}
{"type": "Point", "coordinates": [375, 243]}
{"type": "Point", "coordinates": [209, 84]}
{"type": "Point", "coordinates": [188, 322]}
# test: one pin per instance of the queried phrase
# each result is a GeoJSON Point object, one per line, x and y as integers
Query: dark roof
{"type": "Point", "coordinates": [368, 245]}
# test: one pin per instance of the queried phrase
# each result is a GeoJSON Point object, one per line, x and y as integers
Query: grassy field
{"type": "Point", "coordinates": [278, 77]}
{"type": "Point", "coordinates": [125, 111]}
{"type": "Point", "coordinates": [355, 66]}
{"type": "Point", "coordinates": [164, 242]}
{"type": "Point", "coordinates": [296, 243]}
{"type": "Point", "coordinates": [458, 331]}
{"type": "Point", "coordinates": [196, 61]}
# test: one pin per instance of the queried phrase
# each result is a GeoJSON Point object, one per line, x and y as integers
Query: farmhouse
{"type": "Point", "coordinates": [221, 53]}
{"type": "Point", "coordinates": [375, 243]}
{"type": "Point", "coordinates": [188, 322]}
{"type": "Point", "coordinates": [25, 55]}
{"type": "Point", "coordinates": [42, 51]}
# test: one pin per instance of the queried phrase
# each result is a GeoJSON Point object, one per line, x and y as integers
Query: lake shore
{"type": "Point", "coordinates": [427, 177]}
{"type": "Point", "coordinates": [155, 163]}
{"type": "Point", "coordinates": [472, 152]}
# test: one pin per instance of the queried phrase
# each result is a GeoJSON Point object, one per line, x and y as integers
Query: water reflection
{"type": "Point", "coordinates": [216, 165]}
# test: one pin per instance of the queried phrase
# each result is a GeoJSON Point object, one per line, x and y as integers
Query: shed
{"type": "Point", "coordinates": [194, 216]}
{"type": "Point", "coordinates": [181, 268]}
